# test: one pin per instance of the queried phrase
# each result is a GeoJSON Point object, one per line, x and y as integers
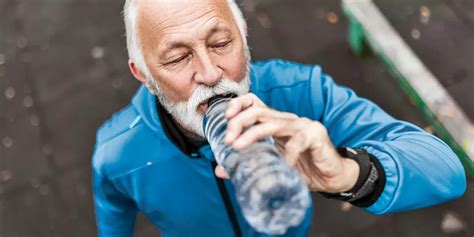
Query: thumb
{"type": "Point", "coordinates": [221, 173]}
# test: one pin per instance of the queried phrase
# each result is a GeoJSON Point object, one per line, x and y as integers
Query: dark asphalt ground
{"type": "Point", "coordinates": [441, 33]}
{"type": "Point", "coordinates": [63, 71]}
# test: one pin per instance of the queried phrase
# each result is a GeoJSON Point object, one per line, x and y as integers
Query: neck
{"type": "Point", "coordinates": [186, 132]}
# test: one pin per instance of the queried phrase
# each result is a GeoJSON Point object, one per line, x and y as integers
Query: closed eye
{"type": "Point", "coordinates": [175, 61]}
{"type": "Point", "coordinates": [221, 45]}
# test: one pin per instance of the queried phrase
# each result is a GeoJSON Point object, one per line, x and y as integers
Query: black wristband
{"type": "Point", "coordinates": [362, 158]}
{"type": "Point", "coordinates": [378, 186]}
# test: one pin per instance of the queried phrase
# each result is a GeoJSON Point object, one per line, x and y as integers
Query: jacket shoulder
{"type": "Point", "coordinates": [112, 139]}
{"type": "Point", "coordinates": [289, 86]}
{"type": "Point", "coordinates": [119, 123]}
{"type": "Point", "coordinates": [277, 73]}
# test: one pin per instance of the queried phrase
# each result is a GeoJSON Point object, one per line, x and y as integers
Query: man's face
{"type": "Point", "coordinates": [193, 50]}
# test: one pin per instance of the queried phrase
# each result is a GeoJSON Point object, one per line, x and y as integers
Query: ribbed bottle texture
{"type": "Point", "coordinates": [271, 194]}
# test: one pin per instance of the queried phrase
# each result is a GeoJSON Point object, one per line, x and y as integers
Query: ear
{"type": "Point", "coordinates": [138, 74]}
{"type": "Point", "coordinates": [246, 29]}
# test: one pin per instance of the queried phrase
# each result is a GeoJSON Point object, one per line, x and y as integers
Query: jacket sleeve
{"type": "Point", "coordinates": [115, 212]}
{"type": "Point", "coordinates": [421, 170]}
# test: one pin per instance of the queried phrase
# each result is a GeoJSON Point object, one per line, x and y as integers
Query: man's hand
{"type": "Point", "coordinates": [304, 143]}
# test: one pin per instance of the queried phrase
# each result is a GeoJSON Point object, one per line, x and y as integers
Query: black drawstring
{"type": "Point", "coordinates": [227, 203]}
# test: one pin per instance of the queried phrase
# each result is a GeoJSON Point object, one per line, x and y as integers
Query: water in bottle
{"type": "Point", "coordinates": [271, 194]}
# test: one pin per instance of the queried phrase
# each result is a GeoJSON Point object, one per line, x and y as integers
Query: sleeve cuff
{"type": "Point", "coordinates": [377, 188]}
{"type": "Point", "coordinates": [381, 201]}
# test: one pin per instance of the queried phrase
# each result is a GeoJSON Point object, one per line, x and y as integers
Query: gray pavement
{"type": "Point", "coordinates": [441, 33]}
{"type": "Point", "coordinates": [63, 71]}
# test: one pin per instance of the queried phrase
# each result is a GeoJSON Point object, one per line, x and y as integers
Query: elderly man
{"type": "Point", "coordinates": [152, 156]}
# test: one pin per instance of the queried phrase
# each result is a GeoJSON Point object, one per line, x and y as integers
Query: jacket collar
{"type": "Point", "coordinates": [145, 104]}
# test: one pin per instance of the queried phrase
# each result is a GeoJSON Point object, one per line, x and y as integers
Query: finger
{"type": "Point", "coordinates": [221, 173]}
{"type": "Point", "coordinates": [301, 141]}
{"type": "Point", "coordinates": [296, 145]}
{"type": "Point", "coordinates": [241, 103]}
{"type": "Point", "coordinates": [241, 121]}
{"type": "Point", "coordinates": [258, 132]}
{"type": "Point", "coordinates": [252, 116]}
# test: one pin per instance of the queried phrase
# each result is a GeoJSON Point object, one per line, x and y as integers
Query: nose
{"type": "Point", "coordinates": [208, 73]}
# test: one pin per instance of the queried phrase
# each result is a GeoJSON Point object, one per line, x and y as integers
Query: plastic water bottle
{"type": "Point", "coordinates": [271, 194]}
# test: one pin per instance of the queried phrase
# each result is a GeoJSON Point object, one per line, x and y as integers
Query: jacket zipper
{"type": "Point", "coordinates": [227, 203]}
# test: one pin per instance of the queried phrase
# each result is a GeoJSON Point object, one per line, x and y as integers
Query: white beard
{"type": "Point", "coordinates": [185, 113]}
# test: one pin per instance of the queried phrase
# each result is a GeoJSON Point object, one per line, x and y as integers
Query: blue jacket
{"type": "Point", "coordinates": [137, 168]}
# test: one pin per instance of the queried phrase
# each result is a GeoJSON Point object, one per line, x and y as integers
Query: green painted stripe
{"type": "Point", "coordinates": [357, 40]}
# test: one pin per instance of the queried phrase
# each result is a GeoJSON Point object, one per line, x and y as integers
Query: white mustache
{"type": "Point", "coordinates": [203, 93]}
{"type": "Point", "coordinates": [186, 112]}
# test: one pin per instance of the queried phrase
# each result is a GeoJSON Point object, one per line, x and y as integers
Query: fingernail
{"type": "Point", "coordinates": [228, 137]}
{"type": "Point", "coordinates": [228, 113]}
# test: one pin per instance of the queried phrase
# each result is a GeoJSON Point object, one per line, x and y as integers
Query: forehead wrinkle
{"type": "Point", "coordinates": [171, 43]}
{"type": "Point", "coordinates": [151, 27]}
{"type": "Point", "coordinates": [208, 26]}
{"type": "Point", "coordinates": [148, 23]}
{"type": "Point", "coordinates": [191, 20]}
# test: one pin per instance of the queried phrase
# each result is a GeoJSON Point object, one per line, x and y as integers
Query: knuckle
{"type": "Point", "coordinates": [252, 95]}
{"type": "Point", "coordinates": [291, 115]}
{"type": "Point", "coordinates": [256, 101]}
{"type": "Point", "coordinates": [301, 124]}
{"type": "Point", "coordinates": [255, 113]}
{"type": "Point", "coordinates": [234, 101]}
{"type": "Point", "coordinates": [248, 97]}
{"type": "Point", "coordinates": [318, 126]}
{"type": "Point", "coordinates": [248, 136]}
{"type": "Point", "coordinates": [255, 110]}
{"type": "Point", "coordinates": [306, 120]}
{"type": "Point", "coordinates": [261, 130]}
{"type": "Point", "coordinates": [291, 146]}
{"type": "Point", "coordinates": [259, 133]}
{"type": "Point", "coordinates": [232, 125]}
{"type": "Point", "coordinates": [280, 123]}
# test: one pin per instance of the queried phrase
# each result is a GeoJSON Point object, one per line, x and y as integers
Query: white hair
{"type": "Point", "coordinates": [185, 112]}
{"type": "Point", "coordinates": [130, 12]}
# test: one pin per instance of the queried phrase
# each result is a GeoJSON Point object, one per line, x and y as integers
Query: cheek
{"type": "Point", "coordinates": [240, 69]}
{"type": "Point", "coordinates": [235, 66]}
{"type": "Point", "coordinates": [176, 87]}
